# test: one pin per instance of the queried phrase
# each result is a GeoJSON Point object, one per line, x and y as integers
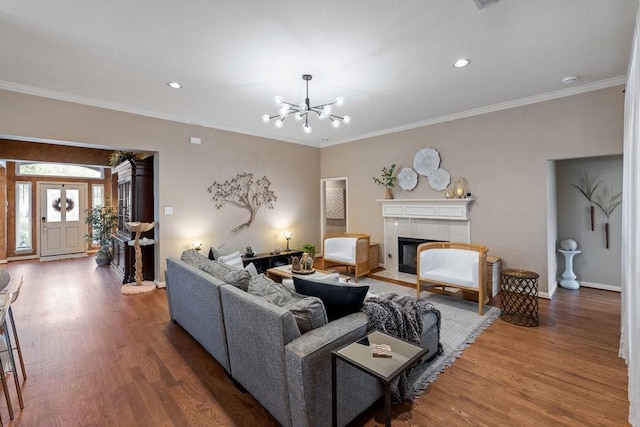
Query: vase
{"type": "Point", "coordinates": [306, 262]}
{"type": "Point", "coordinates": [388, 194]}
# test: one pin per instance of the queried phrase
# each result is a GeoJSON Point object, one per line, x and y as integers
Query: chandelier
{"type": "Point", "coordinates": [302, 111]}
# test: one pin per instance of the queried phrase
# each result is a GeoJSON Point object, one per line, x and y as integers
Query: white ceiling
{"type": "Point", "coordinates": [391, 61]}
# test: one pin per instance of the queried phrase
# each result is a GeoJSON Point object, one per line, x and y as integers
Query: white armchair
{"type": "Point", "coordinates": [348, 249]}
{"type": "Point", "coordinates": [454, 265]}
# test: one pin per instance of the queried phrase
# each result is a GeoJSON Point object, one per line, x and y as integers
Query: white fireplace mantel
{"type": "Point", "coordinates": [449, 209]}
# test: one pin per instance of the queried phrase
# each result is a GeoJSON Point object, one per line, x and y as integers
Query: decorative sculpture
{"type": "Point", "coordinates": [138, 287]}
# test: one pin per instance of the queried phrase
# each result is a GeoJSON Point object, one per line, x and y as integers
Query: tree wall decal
{"type": "Point", "coordinates": [243, 192]}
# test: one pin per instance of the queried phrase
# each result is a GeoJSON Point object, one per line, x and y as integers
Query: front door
{"type": "Point", "coordinates": [62, 227]}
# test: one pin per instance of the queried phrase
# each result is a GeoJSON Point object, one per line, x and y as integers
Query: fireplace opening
{"type": "Point", "coordinates": [408, 253]}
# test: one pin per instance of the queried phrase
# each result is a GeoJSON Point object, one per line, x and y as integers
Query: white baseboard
{"type": "Point", "coordinates": [22, 258]}
{"type": "Point", "coordinates": [545, 295]}
{"type": "Point", "coordinates": [600, 286]}
{"type": "Point", "coordinates": [59, 257]}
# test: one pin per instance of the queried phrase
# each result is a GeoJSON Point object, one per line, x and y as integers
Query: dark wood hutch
{"type": "Point", "coordinates": [134, 182]}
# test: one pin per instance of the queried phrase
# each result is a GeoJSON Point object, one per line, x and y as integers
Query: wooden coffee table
{"type": "Point", "coordinates": [284, 272]}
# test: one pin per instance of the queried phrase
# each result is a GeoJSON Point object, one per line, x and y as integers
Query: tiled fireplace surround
{"type": "Point", "coordinates": [433, 219]}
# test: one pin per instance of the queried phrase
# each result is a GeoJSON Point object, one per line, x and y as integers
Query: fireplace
{"type": "Point", "coordinates": [408, 252]}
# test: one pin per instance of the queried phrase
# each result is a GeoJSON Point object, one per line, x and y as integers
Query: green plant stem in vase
{"type": "Point", "coordinates": [607, 205]}
{"type": "Point", "coordinates": [309, 248]}
{"type": "Point", "coordinates": [387, 179]}
{"type": "Point", "coordinates": [587, 186]}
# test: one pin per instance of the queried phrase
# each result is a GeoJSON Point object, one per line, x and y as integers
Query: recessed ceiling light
{"type": "Point", "coordinates": [174, 85]}
{"type": "Point", "coordinates": [462, 62]}
{"type": "Point", "coordinates": [570, 79]}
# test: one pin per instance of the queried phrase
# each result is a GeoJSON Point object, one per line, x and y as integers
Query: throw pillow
{"type": "Point", "coordinates": [215, 253]}
{"type": "Point", "coordinates": [238, 278]}
{"type": "Point", "coordinates": [309, 312]}
{"type": "Point", "coordinates": [234, 260]}
{"type": "Point", "coordinates": [339, 300]}
{"type": "Point", "coordinates": [194, 258]}
{"type": "Point", "coordinates": [253, 272]}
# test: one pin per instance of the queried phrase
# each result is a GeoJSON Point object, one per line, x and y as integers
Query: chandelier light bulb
{"type": "Point", "coordinates": [284, 110]}
{"type": "Point", "coordinates": [339, 101]}
{"type": "Point", "coordinates": [266, 118]}
{"type": "Point", "coordinates": [321, 116]}
{"type": "Point", "coordinates": [335, 124]}
{"type": "Point", "coordinates": [279, 123]}
{"type": "Point", "coordinates": [307, 128]}
{"type": "Point", "coordinates": [278, 100]}
{"type": "Point", "coordinates": [346, 120]}
{"type": "Point", "coordinates": [327, 110]}
{"type": "Point", "coordinates": [303, 106]}
{"type": "Point", "coordinates": [298, 116]}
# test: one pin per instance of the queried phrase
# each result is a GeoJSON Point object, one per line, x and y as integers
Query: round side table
{"type": "Point", "coordinates": [569, 277]}
{"type": "Point", "coordinates": [519, 297]}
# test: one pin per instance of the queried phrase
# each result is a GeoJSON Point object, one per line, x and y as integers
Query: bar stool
{"type": "Point", "coordinates": [6, 304]}
{"type": "Point", "coordinates": [14, 296]}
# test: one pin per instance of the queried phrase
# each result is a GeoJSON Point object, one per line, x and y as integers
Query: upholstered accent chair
{"type": "Point", "coordinates": [453, 265]}
{"type": "Point", "coordinates": [347, 249]}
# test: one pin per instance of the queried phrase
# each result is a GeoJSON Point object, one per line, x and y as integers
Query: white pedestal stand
{"type": "Point", "coordinates": [569, 277]}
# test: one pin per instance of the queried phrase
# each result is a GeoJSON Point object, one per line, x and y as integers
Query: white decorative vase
{"type": "Point", "coordinates": [569, 245]}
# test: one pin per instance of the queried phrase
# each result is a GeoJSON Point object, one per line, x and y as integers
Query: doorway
{"type": "Point", "coordinates": [61, 226]}
{"type": "Point", "coordinates": [333, 205]}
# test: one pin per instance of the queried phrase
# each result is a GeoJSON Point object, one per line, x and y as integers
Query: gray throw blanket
{"type": "Point", "coordinates": [400, 317]}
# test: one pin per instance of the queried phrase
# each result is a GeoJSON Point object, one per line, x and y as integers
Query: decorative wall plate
{"type": "Point", "coordinates": [439, 179]}
{"type": "Point", "coordinates": [426, 161]}
{"type": "Point", "coordinates": [407, 179]}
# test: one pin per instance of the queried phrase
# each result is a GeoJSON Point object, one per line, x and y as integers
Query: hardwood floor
{"type": "Point", "coordinates": [96, 357]}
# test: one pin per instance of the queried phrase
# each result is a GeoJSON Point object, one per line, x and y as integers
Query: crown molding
{"type": "Point", "coordinates": [576, 90]}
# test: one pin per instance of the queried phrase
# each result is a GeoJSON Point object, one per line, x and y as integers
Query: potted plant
{"type": "Point", "coordinates": [118, 157]}
{"type": "Point", "coordinates": [103, 221]}
{"type": "Point", "coordinates": [309, 248]}
{"type": "Point", "coordinates": [387, 180]}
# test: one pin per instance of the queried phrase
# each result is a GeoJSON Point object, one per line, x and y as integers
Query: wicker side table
{"type": "Point", "coordinates": [519, 297]}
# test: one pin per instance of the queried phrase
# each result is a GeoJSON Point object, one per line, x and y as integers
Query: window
{"type": "Point", "coordinates": [59, 169]}
{"type": "Point", "coordinates": [23, 216]}
{"type": "Point", "coordinates": [97, 195]}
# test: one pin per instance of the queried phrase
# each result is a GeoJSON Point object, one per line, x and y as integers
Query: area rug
{"type": "Point", "coordinates": [460, 325]}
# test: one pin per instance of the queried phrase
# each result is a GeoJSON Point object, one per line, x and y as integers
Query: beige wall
{"type": "Point", "coordinates": [184, 171]}
{"type": "Point", "coordinates": [504, 156]}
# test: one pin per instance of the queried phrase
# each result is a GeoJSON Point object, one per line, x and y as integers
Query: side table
{"type": "Point", "coordinates": [385, 369]}
{"type": "Point", "coordinates": [569, 277]}
{"type": "Point", "coordinates": [519, 297]}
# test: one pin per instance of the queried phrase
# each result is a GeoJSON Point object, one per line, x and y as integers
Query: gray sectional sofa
{"type": "Point", "coordinates": [260, 345]}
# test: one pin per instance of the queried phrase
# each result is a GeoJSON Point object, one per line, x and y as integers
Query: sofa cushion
{"type": "Point", "coordinates": [455, 276]}
{"type": "Point", "coordinates": [309, 312]}
{"type": "Point", "coordinates": [338, 299]}
{"type": "Point", "coordinates": [238, 278]}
